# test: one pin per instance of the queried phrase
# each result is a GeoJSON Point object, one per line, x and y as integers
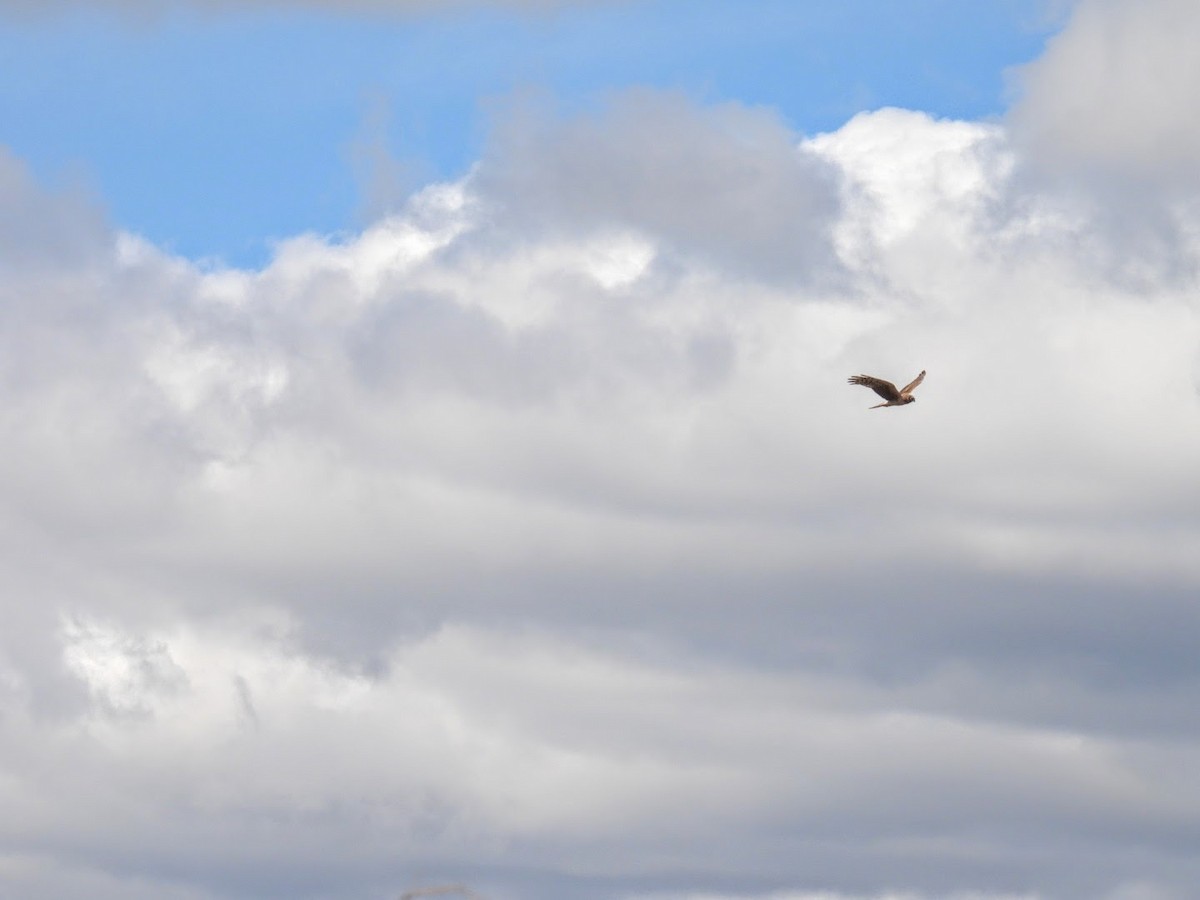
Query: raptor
{"type": "Point", "coordinates": [888, 391]}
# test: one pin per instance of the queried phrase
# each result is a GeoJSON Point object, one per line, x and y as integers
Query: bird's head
{"type": "Point", "coordinates": [910, 399]}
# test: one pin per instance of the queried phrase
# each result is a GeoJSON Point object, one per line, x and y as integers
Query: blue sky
{"type": "Point", "coordinates": [214, 134]}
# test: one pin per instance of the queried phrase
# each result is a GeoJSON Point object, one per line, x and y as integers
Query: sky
{"type": "Point", "coordinates": [218, 129]}
{"type": "Point", "coordinates": [429, 459]}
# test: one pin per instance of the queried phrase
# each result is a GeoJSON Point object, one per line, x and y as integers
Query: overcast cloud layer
{"type": "Point", "coordinates": [532, 539]}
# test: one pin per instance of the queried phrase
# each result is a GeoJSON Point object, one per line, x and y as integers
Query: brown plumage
{"type": "Point", "coordinates": [888, 391]}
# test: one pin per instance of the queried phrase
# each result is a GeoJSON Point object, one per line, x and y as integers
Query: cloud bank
{"type": "Point", "coordinates": [531, 539]}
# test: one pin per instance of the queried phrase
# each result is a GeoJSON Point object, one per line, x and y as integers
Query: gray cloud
{"type": "Point", "coordinates": [1103, 120]}
{"type": "Point", "coordinates": [726, 184]}
{"type": "Point", "coordinates": [1110, 95]}
{"type": "Point", "coordinates": [39, 228]}
{"type": "Point", "coordinates": [531, 539]}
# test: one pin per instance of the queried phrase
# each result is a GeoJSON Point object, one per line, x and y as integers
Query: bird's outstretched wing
{"type": "Point", "coordinates": [884, 389]}
{"type": "Point", "coordinates": [912, 385]}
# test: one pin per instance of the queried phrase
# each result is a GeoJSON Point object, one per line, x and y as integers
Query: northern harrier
{"type": "Point", "coordinates": [887, 390]}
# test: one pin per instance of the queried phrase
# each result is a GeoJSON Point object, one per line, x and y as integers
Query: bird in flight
{"type": "Point", "coordinates": [888, 391]}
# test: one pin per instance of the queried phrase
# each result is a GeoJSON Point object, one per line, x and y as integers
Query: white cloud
{"type": "Point", "coordinates": [476, 742]}
{"type": "Point", "coordinates": [533, 539]}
